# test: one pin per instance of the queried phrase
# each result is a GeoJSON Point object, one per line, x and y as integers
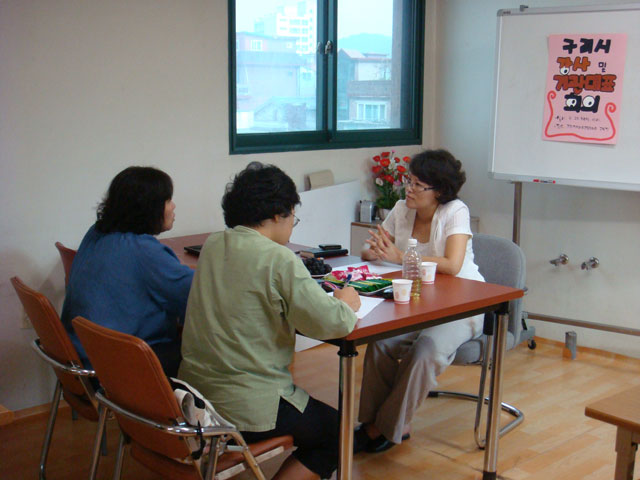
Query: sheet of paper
{"type": "Point", "coordinates": [366, 305]}
{"type": "Point", "coordinates": [377, 267]}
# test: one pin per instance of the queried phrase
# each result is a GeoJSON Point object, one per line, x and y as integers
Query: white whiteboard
{"type": "Point", "coordinates": [518, 152]}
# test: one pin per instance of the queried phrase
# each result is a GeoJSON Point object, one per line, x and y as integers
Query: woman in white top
{"type": "Point", "coordinates": [399, 372]}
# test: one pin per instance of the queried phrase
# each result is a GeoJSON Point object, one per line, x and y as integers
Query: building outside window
{"type": "Point", "coordinates": [338, 82]}
{"type": "Point", "coordinates": [371, 112]}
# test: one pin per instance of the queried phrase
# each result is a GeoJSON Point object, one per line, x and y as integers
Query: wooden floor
{"type": "Point", "coordinates": [556, 440]}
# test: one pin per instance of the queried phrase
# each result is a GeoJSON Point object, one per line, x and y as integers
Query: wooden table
{"type": "Point", "coordinates": [623, 411]}
{"type": "Point", "coordinates": [448, 299]}
{"type": "Point", "coordinates": [177, 244]}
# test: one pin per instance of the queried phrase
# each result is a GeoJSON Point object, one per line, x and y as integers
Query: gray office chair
{"type": "Point", "coordinates": [500, 261]}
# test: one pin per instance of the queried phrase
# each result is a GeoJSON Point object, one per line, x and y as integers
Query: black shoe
{"type": "Point", "coordinates": [360, 439]}
{"type": "Point", "coordinates": [381, 444]}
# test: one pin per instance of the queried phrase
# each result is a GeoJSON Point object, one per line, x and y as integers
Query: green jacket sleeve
{"type": "Point", "coordinates": [308, 307]}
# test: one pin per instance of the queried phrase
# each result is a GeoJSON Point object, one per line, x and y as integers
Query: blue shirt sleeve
{"type": "Point", "coordinates": [168, 281]}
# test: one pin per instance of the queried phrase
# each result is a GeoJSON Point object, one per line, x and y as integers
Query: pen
{"type": "Point", "coordinates": [330, 285]}
{"type": "Point", "coordinates": [346, 281]}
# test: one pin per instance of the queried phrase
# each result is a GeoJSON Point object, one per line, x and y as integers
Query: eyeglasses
{"type": "Point", "coordinates": [296, 220]}
{"type": "Point", "coordinates": [415, 186]}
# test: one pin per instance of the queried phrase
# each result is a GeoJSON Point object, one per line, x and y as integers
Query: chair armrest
{"type": "Point", "coordinates": [72, 369]}
{"type": "Point", "coordinates": [180, 429]}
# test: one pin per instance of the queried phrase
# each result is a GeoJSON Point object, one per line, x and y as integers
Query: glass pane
{"type": "Point", "coordinates": [369, 64]}
{"type": "Point", "coordinates": [275, 66]}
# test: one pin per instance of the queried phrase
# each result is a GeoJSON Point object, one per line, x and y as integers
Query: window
{"type": "Point", "coordinates": [256, 45]}
{"type": "Point", "coordinates": [371, 111]}
{"type": "Point", "coordinates": [346, 83]}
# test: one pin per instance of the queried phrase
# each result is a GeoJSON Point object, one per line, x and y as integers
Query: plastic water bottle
{"type": "Point", "coordinates": [411, 267]}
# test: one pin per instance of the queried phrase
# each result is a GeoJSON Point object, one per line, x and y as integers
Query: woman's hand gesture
{"type": "Point", "coordinates": [382, 246]}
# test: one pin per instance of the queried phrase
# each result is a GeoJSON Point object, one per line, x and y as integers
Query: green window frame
{"type": "Point", "coordinates": [327, 135]}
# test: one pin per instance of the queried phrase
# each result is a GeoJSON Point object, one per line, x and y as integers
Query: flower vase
{"type": "Point", "coordinates": [383, 212]}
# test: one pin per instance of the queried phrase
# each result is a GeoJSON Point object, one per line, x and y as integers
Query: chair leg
{"type": "Point", "coordinates": [99, 438]}
{"type": "Point", "coordinates": [55, 402]}
{"type": "Point", "coordinates": [250, 459]}
{"type": "Point", "coordinates": [74, 415]}
{"type": "Point", "coordinates": [103, 448]}
{"type": "Point", "coordinates": [212, 464]}
{"type": "Point", "coordinates": [505, 407]}
{"type": "Point", "coordinates": [480, 399]}
{"type": "Point", "coordinates": [117, 472]}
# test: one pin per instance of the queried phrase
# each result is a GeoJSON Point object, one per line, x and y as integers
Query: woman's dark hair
{"type": "Point", "coordinates": [257, 193]}
{"type": "Point", "coordinates": [135, 201]}
{"type": "Point", "coordinates": [441, 170]}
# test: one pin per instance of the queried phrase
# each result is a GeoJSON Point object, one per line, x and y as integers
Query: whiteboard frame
{"type": "Point", "coordinates": [523, 10]}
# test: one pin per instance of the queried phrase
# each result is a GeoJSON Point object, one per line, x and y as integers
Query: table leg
{"type": "Point", "coordinates": [625, 454]}
{"type": "Point", "coordinates": [346, 409]}
{"type": "Point", "coordinates": [495, 399]}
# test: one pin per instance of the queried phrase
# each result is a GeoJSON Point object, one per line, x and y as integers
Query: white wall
{"type": "Point", "coordinates": [580, 222]}
{"type": "Point", "coordinates": [88, 87]}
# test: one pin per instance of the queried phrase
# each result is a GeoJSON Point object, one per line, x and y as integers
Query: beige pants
{"type": "Point", "coordinates": [400, 371]}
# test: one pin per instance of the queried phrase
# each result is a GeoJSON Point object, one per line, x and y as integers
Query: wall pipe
{"type": "Point", "coordinates": [582, 323]}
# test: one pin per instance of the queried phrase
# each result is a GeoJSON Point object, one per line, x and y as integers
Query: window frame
{"type": "Point", "coordinates": [327, 136]}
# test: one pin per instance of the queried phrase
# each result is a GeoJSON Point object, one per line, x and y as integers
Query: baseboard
{"type": "Point", "coordinates": [6, 415]}
{"type": "Point", "coordinates": [37, 412]}
{"type": "Point", "coordinates": [582, 349]}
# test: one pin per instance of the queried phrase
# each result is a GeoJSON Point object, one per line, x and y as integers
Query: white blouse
{"type": "Point", "coordinates": [449, 218]}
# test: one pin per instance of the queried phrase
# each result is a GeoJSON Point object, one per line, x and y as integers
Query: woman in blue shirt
{"type": "Point", "coordinates": [122, 277]}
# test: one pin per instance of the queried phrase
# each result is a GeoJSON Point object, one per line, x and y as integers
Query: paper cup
{"type": "Point", "coordinates": [428, 272]}
{"type": "Point", "coordinates": [401, 290]}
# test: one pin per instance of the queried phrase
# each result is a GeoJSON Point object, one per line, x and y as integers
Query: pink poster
{"type": "Point", "coordinates": [584, 87]}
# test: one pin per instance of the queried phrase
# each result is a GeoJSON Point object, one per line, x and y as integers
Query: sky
{"type": "Point", "coordinates": [350, 13]}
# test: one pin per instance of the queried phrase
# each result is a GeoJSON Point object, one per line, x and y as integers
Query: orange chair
{"type": "Point", "coordinates": [150, 419]}
{"type": "Point", "coordinates": [67, 255]}
{"type": "Point", "coordinates": [55, 348]}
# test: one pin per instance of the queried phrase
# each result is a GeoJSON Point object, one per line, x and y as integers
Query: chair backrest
{"type": "Point", "coordinates": [132, 378]}
{"type": "Point", "coordinates": [503, 262]}
{"type": "Point", "coordinates": [54, 339]}
{"type": "Point", "coordinates": [67, 255]}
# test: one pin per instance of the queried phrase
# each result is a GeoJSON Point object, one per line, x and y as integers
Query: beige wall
{"type": "Point", "coordinates": [86, 89]}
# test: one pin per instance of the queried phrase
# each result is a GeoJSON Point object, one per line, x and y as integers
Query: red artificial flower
{"type": "Point", "coordinates": [384, 162]}
{"type": "Point", "coordinates": [376, 169]}
{"type": "Point", "coordinates": [406, 159]}
{"type": "Point", "coordinates": [401, 169]}
{"type": "Point", "coordinates": [376, 158]}
{"type": "Point", "coordinates": [397, 160]}
{"type": "Point", "coordinates": [385, 154]}
{"type": "Point", "coordinates": [388, 178]}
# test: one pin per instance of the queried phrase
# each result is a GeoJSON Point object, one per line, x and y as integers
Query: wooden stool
{"type": "Point", "coordinates": [623, 411]}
